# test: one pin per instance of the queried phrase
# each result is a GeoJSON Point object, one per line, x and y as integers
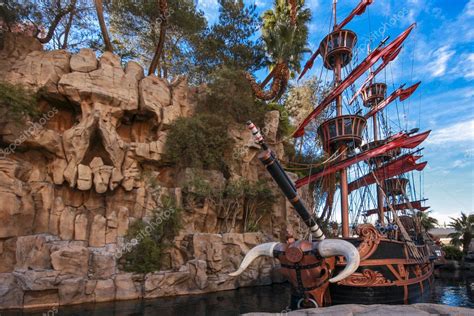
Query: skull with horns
{"type": "Point", "coordinates": [308, 266]}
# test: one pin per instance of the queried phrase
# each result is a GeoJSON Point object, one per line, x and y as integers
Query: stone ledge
{"type": "Point", "coordinates": [373, 310]}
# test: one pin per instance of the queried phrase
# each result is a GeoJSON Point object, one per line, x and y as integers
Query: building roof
{"type": "Point", "coordinates": [441, 231]}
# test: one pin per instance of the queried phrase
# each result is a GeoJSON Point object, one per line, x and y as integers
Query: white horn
{"type": "Point", "coordinates": [257, 251]}
{"type": "Point", "coordinates": [339, 247]}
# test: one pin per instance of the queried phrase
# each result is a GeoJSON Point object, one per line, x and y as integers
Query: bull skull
{"type": "Point", "coordinates": [326, 248]}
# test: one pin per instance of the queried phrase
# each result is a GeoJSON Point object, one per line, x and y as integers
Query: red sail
{"type": "Point", "coordinates": [403, 206]}
{"type": "Point", "coordinates": [360, 9]}
{"type": "Point", "coordinates": [372, 75]}
{"type": "Point", "coordinates": [394, 168]}
{"type": "Point", "coordinates": [399, 140]}
{"type": "Point", "coordinates": [356, 73]}
{"type": "Point", "coordinates": [309, 64]}
{"type": "Point", "coordinates": [402, 93]}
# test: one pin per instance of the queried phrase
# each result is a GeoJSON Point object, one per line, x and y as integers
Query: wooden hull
{"type": "Point", "coordinates": [390, 272]}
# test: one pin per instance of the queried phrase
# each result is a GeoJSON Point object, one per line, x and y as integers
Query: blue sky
{"type": "Point", "coordinates": [440, 53]}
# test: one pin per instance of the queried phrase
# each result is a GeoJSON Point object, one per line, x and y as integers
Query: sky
{"type": "Point", "coordinates": [440, 53]}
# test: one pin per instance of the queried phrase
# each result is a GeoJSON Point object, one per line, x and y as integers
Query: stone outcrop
{"type": "Point", "coordinates": [91, 166]}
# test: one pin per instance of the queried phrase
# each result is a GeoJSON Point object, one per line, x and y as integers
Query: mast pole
{"type": "Point", "coordinates": [380, 195]}
{"type": "Point", "coordinates": [334, 12]}
{"type": "Point", "coordinates": [342, 148]}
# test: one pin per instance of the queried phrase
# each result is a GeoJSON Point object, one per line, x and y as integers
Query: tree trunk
{"type": "Point", "coordinates": [55, 23]}
{"type": "Point", "coordinates": [268, 78]}
{"type": "Point", "coordinates": [68, 28]}
{"type": "Point", "coordinates": [103, 28]}
{"type": "Point", "coordinates": [466, 241]}
{"type": "Point", "coordinates": [293, 11]}
{"type": "Point", "coordinates": [155, 62]}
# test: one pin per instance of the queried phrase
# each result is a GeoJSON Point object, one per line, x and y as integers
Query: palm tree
{"type": "Point", "coordinates": [426, 221]}
{"type": "Point", "coordinates": [464, 233]}
{"type": "Point", "coordinates": [285, 33]}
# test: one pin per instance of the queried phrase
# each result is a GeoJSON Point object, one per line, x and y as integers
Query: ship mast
{"type": "Point", "coordinates": [375, 101]}
{"type": "Point", "coordinates": [342, 147]}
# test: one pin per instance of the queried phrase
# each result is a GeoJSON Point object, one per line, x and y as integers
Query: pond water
{"type": "Point", "coordinates": [450, 288]}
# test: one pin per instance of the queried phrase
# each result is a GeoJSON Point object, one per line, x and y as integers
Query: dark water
{"type": "Point", "coordinates": [450, 288]}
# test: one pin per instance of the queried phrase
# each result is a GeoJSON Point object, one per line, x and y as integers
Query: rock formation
{"type": "Point", "coordinates": [73, 181]}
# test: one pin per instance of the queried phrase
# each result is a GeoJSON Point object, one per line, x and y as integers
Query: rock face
{"type": "Point", "coordinates": [91, 166]}
{"type": "Point", "coordinates": [376, 310]}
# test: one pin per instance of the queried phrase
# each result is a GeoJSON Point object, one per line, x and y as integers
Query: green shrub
{"type": "Point", "coordinates": [151, 243]}
{"type": "Point", "coordinates": [17, 101]}
{"type": "Point", "coordinates": [452, 253]}
{"type": "Point", "coordinates": [256, 199]}
{"type": "Point", "coordinates": [230, 96]}
{"type": "Point", "coordinates": [198, 142]}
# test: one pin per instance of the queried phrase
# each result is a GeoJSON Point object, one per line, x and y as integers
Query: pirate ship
{"type": "Point", "coordinates": [390, 260]}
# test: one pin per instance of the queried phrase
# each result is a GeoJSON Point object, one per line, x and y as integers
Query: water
{"type": "Point", "coordinates": [450, 288]}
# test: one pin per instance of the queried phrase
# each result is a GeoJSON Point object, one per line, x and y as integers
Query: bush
{"type": "Point", "coordinates": [256, 199]}
{"type": "Point", "coordinates": [230, 96]}
{"type": "Point", "coordinates": [150, 244]}
{"type": "Point", "coordinates": [198, 142]}
{"type": "Point", "coordinates": [17, 101]}
{"type": "Point", "coordinates": [452, 253]}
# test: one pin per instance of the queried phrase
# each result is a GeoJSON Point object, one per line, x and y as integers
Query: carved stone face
{"type": "Point", "coordinates": [101, 126]}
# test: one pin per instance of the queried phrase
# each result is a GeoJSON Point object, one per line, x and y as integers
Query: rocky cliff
{"type": "Point", "coordinates": [73, 180]}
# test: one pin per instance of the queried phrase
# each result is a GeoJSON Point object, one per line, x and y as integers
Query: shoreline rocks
{"type": "Point", "coordinates": [378, 310]}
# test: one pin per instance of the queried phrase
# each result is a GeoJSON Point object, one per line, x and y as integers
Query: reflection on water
{"type": "Point", "coordinates": [455, 289]}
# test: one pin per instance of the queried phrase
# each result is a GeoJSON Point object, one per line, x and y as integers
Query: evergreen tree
{"type": "Point", "coordinates": [137, 29]}
{"type": "Point", "coordinates": [232, 40]}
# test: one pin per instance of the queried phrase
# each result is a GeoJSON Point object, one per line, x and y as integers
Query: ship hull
{"type": "Point", "coordinates": [368, 295]}
{"type": "Point", "coordinates": [390, 272]}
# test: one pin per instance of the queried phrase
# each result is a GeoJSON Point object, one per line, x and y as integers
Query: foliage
{"type": "Point", "coordinates": [229, 96]}
{"type": "Point", "coordinates": [135, 29]}
{"type": "Point", "coordinates": [427, 222]}
{"type": "Point", "coordinates": [17, 101]}
{"type": "Point", "coordinates": [231, 41]}
{"type": "Point", "coordinates": [254, 199]}
{"type": "Point", "coordinates": [303, 97]}
{"type": "Point", "coordinates": [41, 17]}
{"type": "Point", "coordinates": [452, 253]}
{"type": "Point", "coordinates": [284, 41]}
{"type": "Point", "coordinates": [151, 244]}
{"type": "Point", "coordinates": [198, 142]}
{"type": "Point", "coordinates": [464, 226]}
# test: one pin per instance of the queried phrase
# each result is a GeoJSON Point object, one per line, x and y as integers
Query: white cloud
{"type": "Point", "coordinates": [440, 58]}
{"type": "Point", "coordinates": [458, 132]}
{"type": "Point", "coordinates": [465, 67]}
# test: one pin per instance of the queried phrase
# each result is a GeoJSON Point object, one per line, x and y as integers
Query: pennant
{"type": "Point", "coordinates": [402, 93]}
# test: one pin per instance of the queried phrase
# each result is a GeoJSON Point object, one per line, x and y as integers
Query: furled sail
{"type": "Point", "coordinates": [380, 52]}
{"type": "Point", "coordinates": [402, 206]}
{"type": "Point", "coordinates": [372, 75]}
{"type": "Point", "coordinates": [394, 168]}
{"type": "Point", "coordinates": [400, 92]}
{"type": "Point", "coordinates": [401, 140]}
